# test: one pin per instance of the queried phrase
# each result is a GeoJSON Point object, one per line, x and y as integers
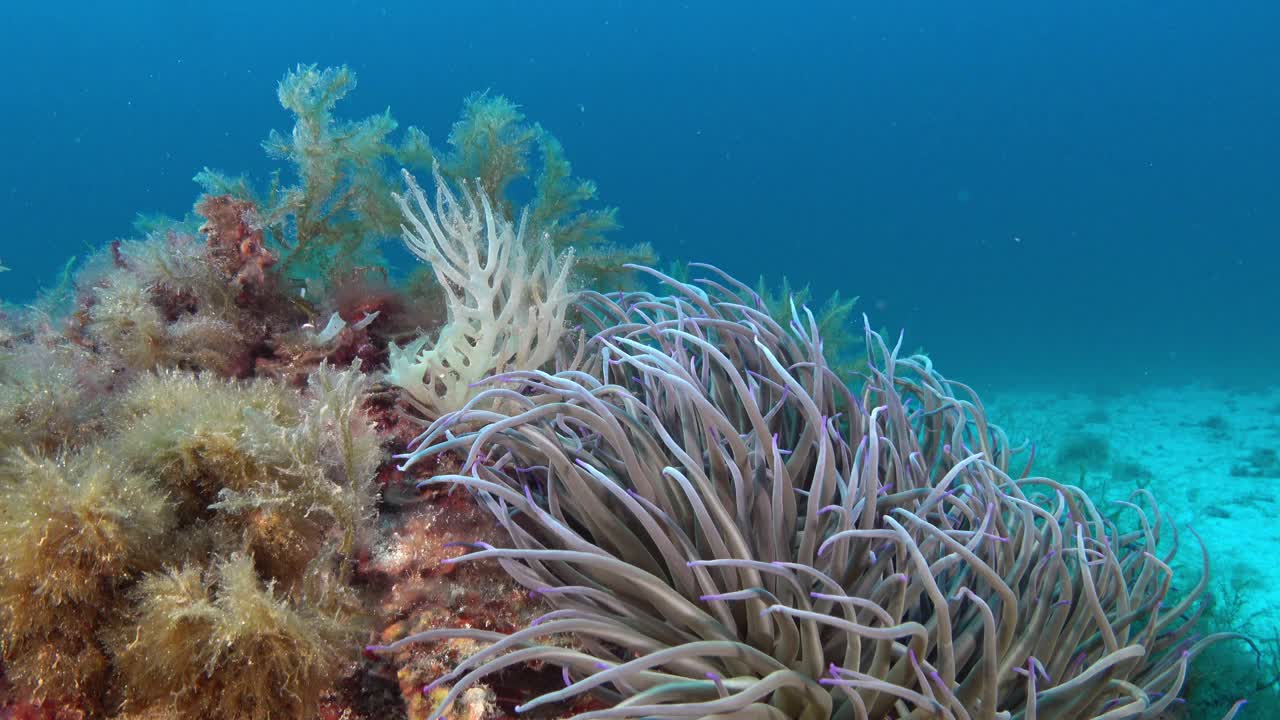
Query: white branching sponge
{"type": "Point", "coordinates": [506, 296]}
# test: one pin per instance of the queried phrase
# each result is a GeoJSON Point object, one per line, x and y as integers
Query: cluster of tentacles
{"type": "Point", "coordinates": [726, 529]}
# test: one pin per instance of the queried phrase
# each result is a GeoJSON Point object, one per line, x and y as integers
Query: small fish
{"type": "Point", "coordinates": [3, 268]}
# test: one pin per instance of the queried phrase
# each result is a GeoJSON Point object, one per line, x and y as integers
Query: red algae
{"type": "Point", "coordinates": [235, 241]}
{"type": "Point", "coordinates": [421, 591]}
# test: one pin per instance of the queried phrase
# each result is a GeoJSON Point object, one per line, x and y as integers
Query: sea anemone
{"type": "Point", "coordinates": [726, 528]}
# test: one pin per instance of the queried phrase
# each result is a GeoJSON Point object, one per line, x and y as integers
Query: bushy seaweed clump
{"type": "Point", "coordinates": [841, 339]}
{"type": "Point", "coordinates": [219, 525]}
{"type": "Point", "coordinates": [219, 642]}
{"type": "Point", "coordinates": [75, 531]}
{"type": "Point", "coordinates": [174, 300]}
{"type": "Point", "coordinates": [1083, 451]}
{"type": "Point", "coordinates": [257, 466]}
{"type": "Point", "coordinates": [327, 214]}
{"type": "Point", "coordinates": [124, 321]}
{"type": "Point", "coordinates": [278, 492]}
{"type": "Point", "coordinates": [492, 142]}
{"type": "Point", "coordinates": [208, 298]}
{"type": "Point", "coordinates": [51, 394]}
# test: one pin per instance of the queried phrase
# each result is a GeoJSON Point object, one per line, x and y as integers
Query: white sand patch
{"type": "Point", "coordinates": [1209, 456]}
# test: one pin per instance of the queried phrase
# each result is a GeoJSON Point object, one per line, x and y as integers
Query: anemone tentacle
{"type": "Point", "coordinates": [727, 528]}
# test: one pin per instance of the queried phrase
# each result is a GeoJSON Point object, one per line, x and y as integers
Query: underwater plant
{"type": "Point", "coordinates": [195, 299]}
{"type": "Point", "coordinates": [74, 531]}
{"type": "Point", "coordinates": [207, 523]}
{"type": "Point", "coordinates": [195, 432]}
{"type": "Point", "coordinates": [235, 244]}
{"type": "Point", "coordinates": [50, 395]}
{"type": "Point", "coordinates": [125, 323]}
{"type": "Point", "coordinates": [1081, 451]}
{"type": "Point", "coordinates": [277, 473]}
{"type": "Point", "coordinates": [275, 488]}
{"type": "Point", "coordinates": [725, 528]}
{"type": "Point", "coordinates": [841, 340]}
{"type": "Point", "coordinates": [507, 296]}
{"type": "Point", "coordinates": [493, 145]}
{"type": "Point", "coordinates": [327, 462]}
{"type": "Point", "coordinates": [221, 644]}
{"type": "Point", "coordinates": [323, 218]}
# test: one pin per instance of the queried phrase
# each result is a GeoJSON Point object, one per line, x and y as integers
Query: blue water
{"type": "Point", "coordinates": [1078, 192]}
